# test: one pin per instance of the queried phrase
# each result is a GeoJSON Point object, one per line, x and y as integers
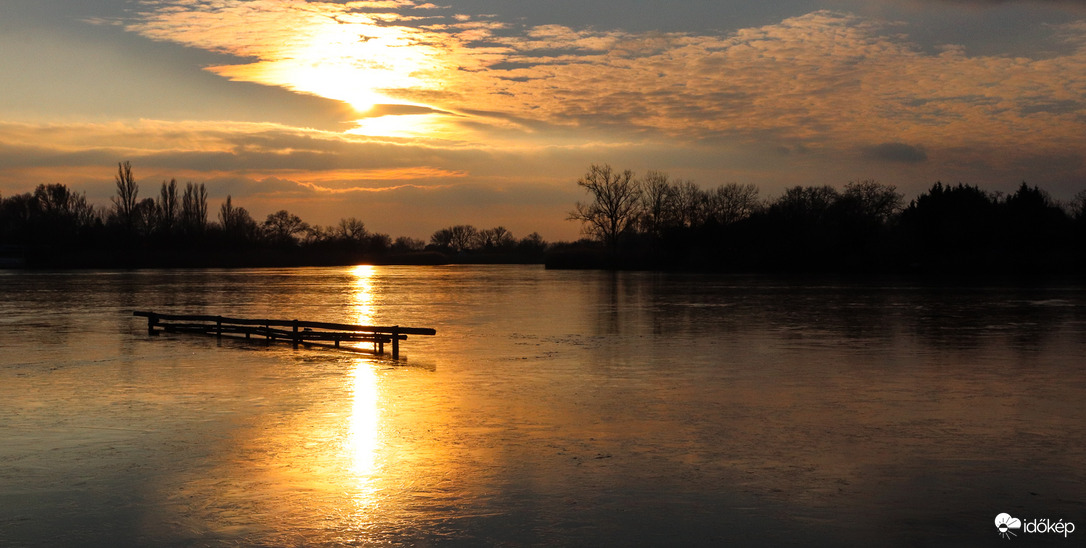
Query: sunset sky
{"type": "Point", "coordinates": [412, 116]}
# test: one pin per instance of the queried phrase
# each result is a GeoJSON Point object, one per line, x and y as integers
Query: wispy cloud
{"type": "Point", "coordinates": [351, 52]}
{"type": "Point", "coordinates": [319, 159]}
{"type": "Point", "coordinates": [825, 80]}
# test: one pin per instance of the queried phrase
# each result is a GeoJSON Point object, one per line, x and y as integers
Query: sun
{"type": "Point", "coordinates": [338, 80]}
{"type": "Point", "coordinates": [353, 59]}
{"type": "Point", "coordinates": [359, 68]}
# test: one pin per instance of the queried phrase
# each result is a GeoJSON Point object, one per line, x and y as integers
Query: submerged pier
{"type": "Point", "coordinates": [293, 331]}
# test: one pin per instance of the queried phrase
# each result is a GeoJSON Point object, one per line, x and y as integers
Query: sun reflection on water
{"type": "Point", "coordinates": [365, 419]}
{"type": "Point", "coordinates": [364, 431]}
{"type": "Point", "coordinates": [362, 294]}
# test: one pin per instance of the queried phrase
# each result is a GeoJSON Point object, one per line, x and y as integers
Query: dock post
{"type": "Point", "coordinates": [295, 336]}
{"type": "Point", "coordinates": [152, 321]}
{"type": "Point", "coordinates": [395, 342]}
{"type": "Point", "coordinates": [218, 326]}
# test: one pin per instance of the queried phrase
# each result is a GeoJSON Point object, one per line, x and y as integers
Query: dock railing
{"type": "Point", "coordinates": [294, 331]}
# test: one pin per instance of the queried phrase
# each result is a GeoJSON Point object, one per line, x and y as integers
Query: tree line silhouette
{"type": "Point", "coordinates": [651, 222]}
{"type": "Point", "coordinates": [54, 227]}
{"type": "Point", "coordinates": [866, 227]}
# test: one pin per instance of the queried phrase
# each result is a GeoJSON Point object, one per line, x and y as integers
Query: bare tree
{"type": "Point", "coordinates": [441, 238]}
{"type": "Point", "coordinates": [236, 221]}
{"type": "Point", "coordinates": [194, 208]}
{"type": "Point", "coordinates": [732, 203]}
{"type": "Point", "coordinates": [532, 243]}
{"type": "Point", "coordinates": [54, 201]}
{"type": "Point", "coordinates": [228, 215]}
{"type": "Point", "coordinates": [1077, 206]}
{"type": "Point", "coordinates": [145, 217]}
{"type": "Point", "coordinates": [168, 207]}
{"type": "Point", "coordinates": [407, 243]}
{"type": "Point", "coordinates": [686, 203]}
{"type": "Point", "coordinates": [83, 212]}
{"type": "Point", "coordinates": [463, 237]}
{"type": "Point", "coordinates": [125, 202]}
{"type": "Point", "coordinates": [655, 193]}
{"type": "Point", "coordinates": [317, 234]}
{"type": "Point", "coordinates": [810, 203]}
{"type": "Point", "coordinates": [872, 199]}
{"type": "Point", "coordinates": [496, 238]}
{"type": "Point", "coordinates": [61, 207]}
{"type": "Point", "coordinates": [283, 226]}
{"type": "Point", "coordinates": [614, 207]}
{"type": "Point", "coordinates": [352, 230]}
{"type": "Point", "coordinates": [377, 242]}
{"type": "Point", "coordinates": [457, 238]}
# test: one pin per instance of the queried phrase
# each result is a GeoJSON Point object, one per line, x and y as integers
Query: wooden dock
{"type": "Point", "coordinates": [292, 331]}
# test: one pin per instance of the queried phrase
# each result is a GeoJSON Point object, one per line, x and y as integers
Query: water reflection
{"type": "Point", "coordinates": [362, 295]}
{"type": "Point", "coordinates": [364, 432]}
{"type": "Point", "coordinates": [559, 408]}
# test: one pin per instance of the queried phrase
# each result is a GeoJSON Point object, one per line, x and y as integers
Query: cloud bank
{"type": "Point", "coordinates": [824, 80]}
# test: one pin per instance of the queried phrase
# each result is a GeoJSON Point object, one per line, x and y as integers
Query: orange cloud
{"type": "Point", "coordinates": [342, 181]}
{"type": "Point", "coordinates": [346, 52]}
{"type": "Point", "coordinates": [822, 81]}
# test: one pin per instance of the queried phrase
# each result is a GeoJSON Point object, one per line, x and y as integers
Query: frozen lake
{"type": "Point", "coordinates": [552, 407]}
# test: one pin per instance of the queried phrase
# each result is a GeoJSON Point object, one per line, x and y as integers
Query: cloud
{"type": "Point", "coordinates": [896, 152]}
{"type": "Point", "coordinates": [400, 110]}
{"type": "Point", "coordinates": [999, 2]}
{"type": "Point", "coordinates": [821, 81]}
{"type": "Point", "coordinates": [319, 161]}
{"type": "Point", "coordinates": [350, 52]}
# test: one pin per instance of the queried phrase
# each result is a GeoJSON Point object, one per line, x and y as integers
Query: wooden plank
{"type": "Point", "coordinates": [288, 323]}
{"type": "Point", "coordinates": [278, 333]}
{"type": "Point", "coordinates": [300, 332]}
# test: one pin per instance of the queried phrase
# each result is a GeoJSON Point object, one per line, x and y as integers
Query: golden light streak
{"type": "Point", "coordinates": [355, 189]}
{"type": "Point", "coordinates": [393, 174]}
{"type": "Point", "coordinates": [362, 294]}
{"type": "Point", "coordinates": [364, 431]}
{"type": "Point", "coordinates": [431, 125]}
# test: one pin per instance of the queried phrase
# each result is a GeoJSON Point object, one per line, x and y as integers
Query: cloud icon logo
{"type": "Point", "coordinates": [1005, 523]}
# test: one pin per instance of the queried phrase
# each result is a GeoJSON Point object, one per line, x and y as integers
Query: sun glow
{"type": "Point", "coordinates": [350, 57]}
{"type": "Point", "coordinates": [360, 63]}
{"type": "Point", "coordinates": [414, 125]}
